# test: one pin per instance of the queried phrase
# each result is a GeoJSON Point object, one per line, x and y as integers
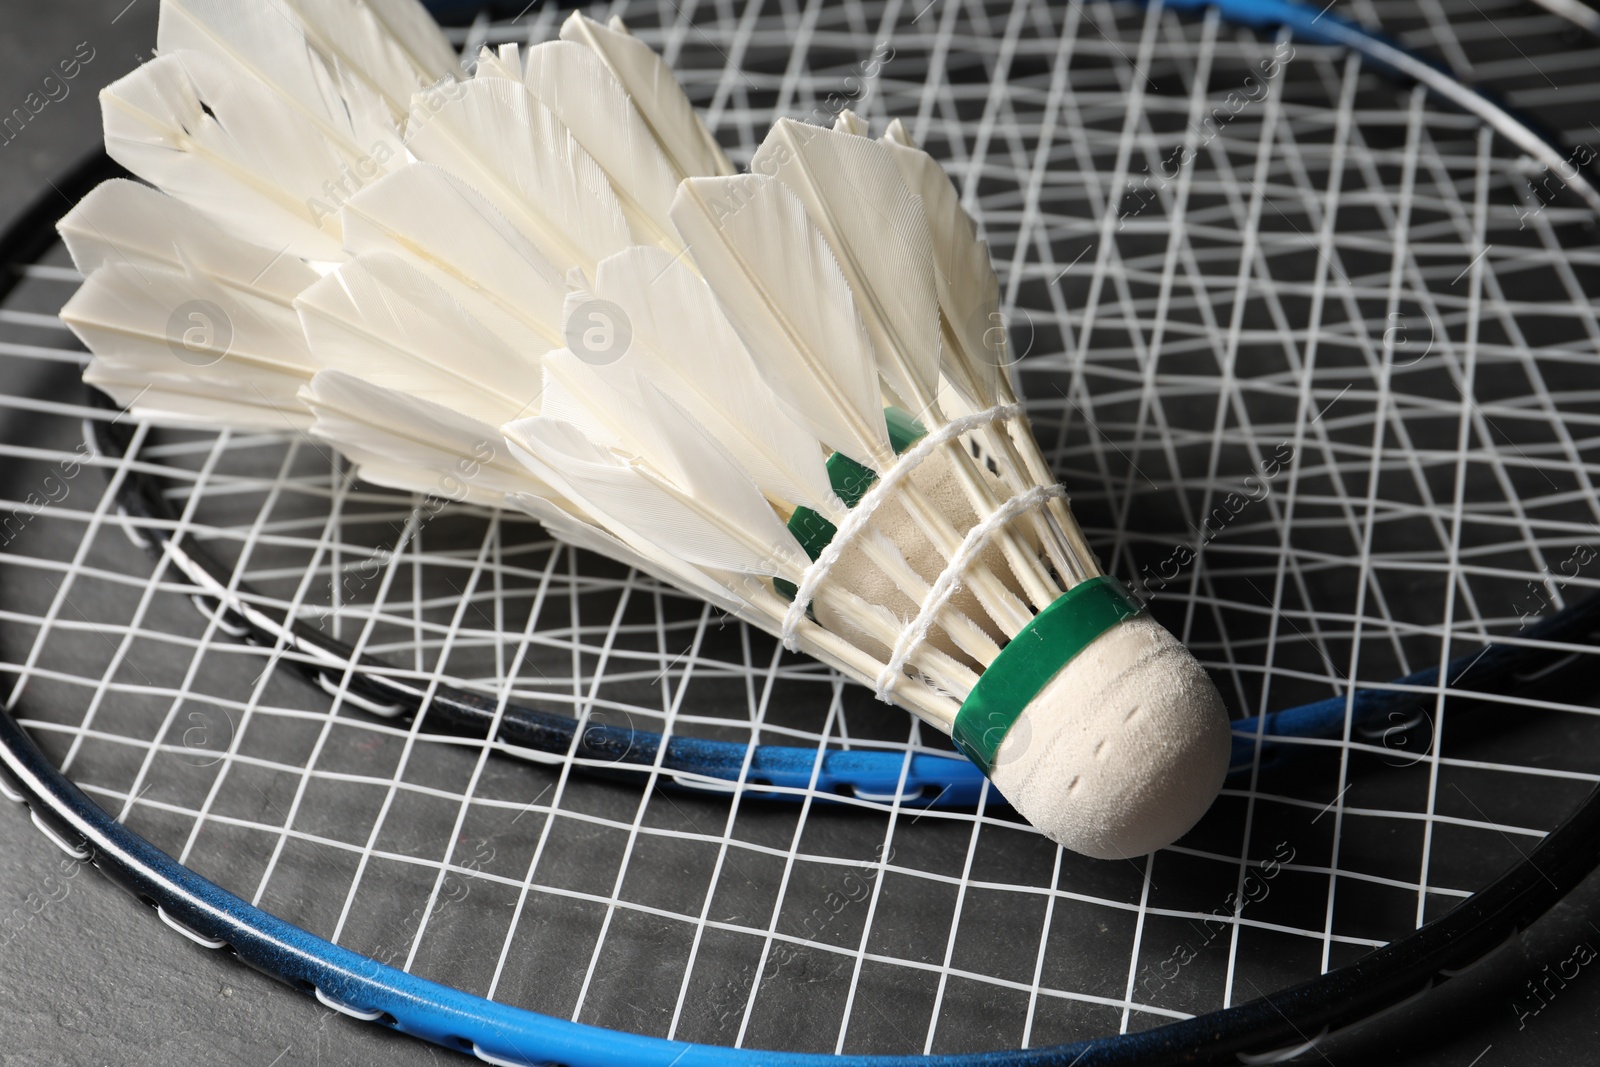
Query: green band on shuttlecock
{"type": "Point", "coordinates": [850, 481]}
{"type": "Point", "coordinates": [1025, 666]}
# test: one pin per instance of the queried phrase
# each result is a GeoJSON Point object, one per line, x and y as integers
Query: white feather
{"type": "Point", "coordinates": [969, 293]}
{"type": "Point", "coordinates": [712, 479]}
{"type": "Point", "coordinates": [629, 414]}
{"type": "Point", "coordinates": [630, 552]}
{"type": "Point", "coordinates": [148, 326]}
{"type": "Point", "coordinates": [408, 23]}
{"type": "Point", "coordinates": [683, 343]}
{"type": "Point", "coordinates": [181, 400]}
{"type": "Point", "coordinates": [124, 223]}
{"type": "Point", "coordinates": [781, 288]}
{"type": "Point", "coordinates": [565, 527]}
{"type": "Point", "coordinates": [494, 135]}
{"type": "Point", "coordinates": [854, 193]}
{"type": "Point", "coordinates": [631, 499]}
{"type": "Point", "coordinates": [446, 228]}
{"type": "Point", "coordinates": [408, 442]}
{"type": "Point", "coordinates": [392, 45]}
{"type": "Point", "coordinates": [505, 63]}
{"type": "Point", "coordinates": [600, 408]}
{"type": "Point", "coordinates": [221, 142]}
{"type": "Point", "coordinates": [848, 121]}
{"type": "Point", "coordinates": [662, 104]}
{"type": "Point", "coordinates": [381, 319]}
{"type": "Point", "coordinates": [577, 86]}
{"type": "Point", "coordinates": [267, 40]}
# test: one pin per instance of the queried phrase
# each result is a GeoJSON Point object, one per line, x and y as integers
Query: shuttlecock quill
{"type": "Point", "coordinates": [779, 389]}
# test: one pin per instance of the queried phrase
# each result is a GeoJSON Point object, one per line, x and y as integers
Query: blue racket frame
{"type": "Point", "coordinates": [1280, 1024]}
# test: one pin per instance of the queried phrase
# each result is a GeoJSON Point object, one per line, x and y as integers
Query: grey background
{"type": "Point", "coordinates": [94, 979]}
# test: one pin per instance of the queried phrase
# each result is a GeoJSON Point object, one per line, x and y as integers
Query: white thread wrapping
{"type": "Point", "coordinates": [912, 637]}
{"type": "Point", "coordinates": [863, 512]}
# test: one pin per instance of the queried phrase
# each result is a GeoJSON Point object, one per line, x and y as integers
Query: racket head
{"type": "Point", "coordinates": [969, 920]}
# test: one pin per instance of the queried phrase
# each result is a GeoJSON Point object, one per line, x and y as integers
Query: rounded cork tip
{"type": "Point", "coordinates": [1123, 751]}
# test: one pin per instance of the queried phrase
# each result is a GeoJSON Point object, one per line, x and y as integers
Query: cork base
{"type": "Point", "coordinates": [1123, 751]}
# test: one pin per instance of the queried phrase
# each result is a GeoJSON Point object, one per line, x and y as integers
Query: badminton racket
{"type": "Point", "coordinates": [1355, 481]}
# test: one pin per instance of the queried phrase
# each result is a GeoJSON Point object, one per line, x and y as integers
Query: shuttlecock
{"type": "Point", "coordinates": [543, 285]}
